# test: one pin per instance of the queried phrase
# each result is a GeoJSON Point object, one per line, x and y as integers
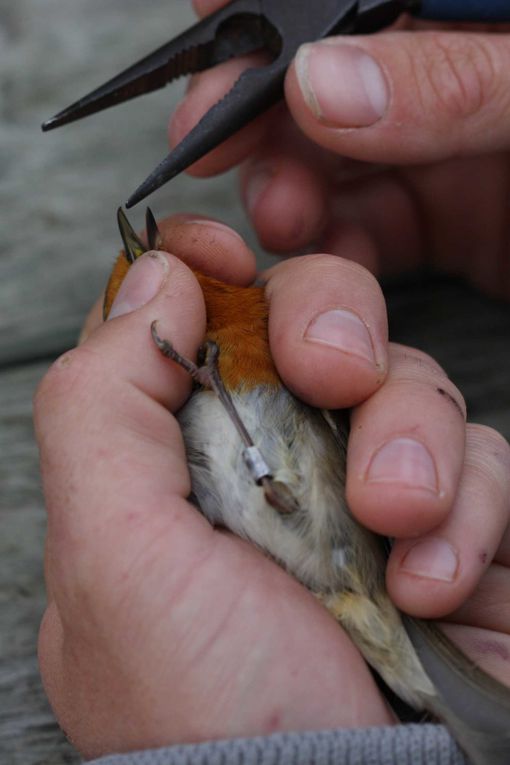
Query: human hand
{"type": "Point", "coordinates": [160, 629]}
{"type": "Point", "coordinates": [421, 164]}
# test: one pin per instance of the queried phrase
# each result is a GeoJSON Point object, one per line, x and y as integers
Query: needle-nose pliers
{"type": "Point", "coordinates": [277, 27]}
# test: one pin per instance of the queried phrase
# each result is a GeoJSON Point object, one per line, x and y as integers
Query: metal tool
{"type": "Point", "coordinates": [277, 27]}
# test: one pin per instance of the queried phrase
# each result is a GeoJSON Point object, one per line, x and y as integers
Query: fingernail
{"type": "Point", "coordinates": [404, 461]}
{"type": "Point", "coordinates": [342, 85]}
{"type": "Point", "coordinates": [141, 283]}
{"type": "Point", "coordinates": [432, 558]}
{"type": "Point", "coordinates": [344, 331]}
{"type": "Point", "coordinates": [258, 183]}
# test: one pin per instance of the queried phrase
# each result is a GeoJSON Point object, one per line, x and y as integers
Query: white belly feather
{"type": "Point", "coordinates": [318, 542]}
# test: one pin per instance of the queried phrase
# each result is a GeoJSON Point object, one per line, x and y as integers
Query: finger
{"type": "Point", "coordinates": [487, 649]}
{"type": "Point", "coordinates": [210, 247]}
{"type": "Point", "coordinates": [286, 199]}
{"type": "Point", "coordinates": [297, 194]}
{"type": "Point", "coordinates": [453, 209]}
{"type": "Point", "coordinates": [384, 208]}
{"type": "Point", "coordinates": [113, 462]}
{"type": "Point", "coordinates": [287, 186]}
{"type": "Point", "coordinates": [202, 243]}
{"type": "Point", "coordinates": [293, 190]}
{"type": "Point", "coordinates": [433, 576]}
{"type": "Point", "coordinates": [406, 448]}
{"type": "Point", "coordinates": [487, 606]}
{"type": "Point", "coordinates": [404, 97]}
{"type": "Point", "coordinates": [328, 327]}
{"type": "Point", "coordinates": [207, 90]}
{"type": "Point", "coordinates": [503, 553]}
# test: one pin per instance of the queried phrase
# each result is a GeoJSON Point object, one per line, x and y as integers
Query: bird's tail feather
{"type": "Point", "coordinates": [473, 705]}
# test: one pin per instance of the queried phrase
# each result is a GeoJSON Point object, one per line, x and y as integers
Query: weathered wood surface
{"type": "Point", "coordinates": [28, 733]}
{"type": "Point", "coordinates": [58, 194]}
{"type": "Point", "coordinates": [59, 191]}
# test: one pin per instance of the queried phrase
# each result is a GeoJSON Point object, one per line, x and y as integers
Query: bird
{"type": "Point", "coordinates": [272, 470]}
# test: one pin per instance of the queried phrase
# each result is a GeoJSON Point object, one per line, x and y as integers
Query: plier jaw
{"type": "Point", "coordinates": [278, 27]}
{"type": "Point", "coordinates": [219, 37]}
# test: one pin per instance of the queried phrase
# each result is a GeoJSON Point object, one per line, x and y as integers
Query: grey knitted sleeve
{"type": "Point", "coordinates": [398, 745]}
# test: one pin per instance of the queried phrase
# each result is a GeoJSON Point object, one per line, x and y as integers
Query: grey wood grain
{"type": "Point", "coordinates": [59, 191]}
{"type": "Point", "coordinates": [28, 731]}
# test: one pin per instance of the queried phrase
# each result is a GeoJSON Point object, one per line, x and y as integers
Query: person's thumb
{"type": "Point", "coordinates": [112, 458]}
{"type": "Point", "coordinates": [404, 97]}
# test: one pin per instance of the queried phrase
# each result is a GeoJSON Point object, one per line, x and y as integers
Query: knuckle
{"type": "Point", "coordinates": [54, 382]}
{"type": "Point", "coordinates": [333, 270]}
{"type": "Point", "coordinates": [451, 393]}
{"type": "Point", "coordinates": [490, 448]}
{"type": "Point", "coordinates": [66, 377]}
{"type": "Point", "coordinates": [411, 365]}
{"type": "Point", "coordinates": [326, 281]}
{"type": "Point", "coordinates": [458, 72]}
{"type": "Point", "coordinates": [404, 358]}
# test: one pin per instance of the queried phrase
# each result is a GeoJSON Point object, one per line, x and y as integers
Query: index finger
{"type": "Point", "coordinates": [328, 326]}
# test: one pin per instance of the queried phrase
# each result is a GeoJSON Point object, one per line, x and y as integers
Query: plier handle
{"type": "Point", "coordinates": [278, 27]}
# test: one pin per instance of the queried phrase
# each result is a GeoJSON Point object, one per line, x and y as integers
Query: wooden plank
{"type": "Point", "coordinates": [29, 734]}
{"type": "Point", "coordinates": [59, 191]}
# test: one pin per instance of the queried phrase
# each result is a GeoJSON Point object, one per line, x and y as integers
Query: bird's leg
{"type": "Point", "coordinates": [207, 374]}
